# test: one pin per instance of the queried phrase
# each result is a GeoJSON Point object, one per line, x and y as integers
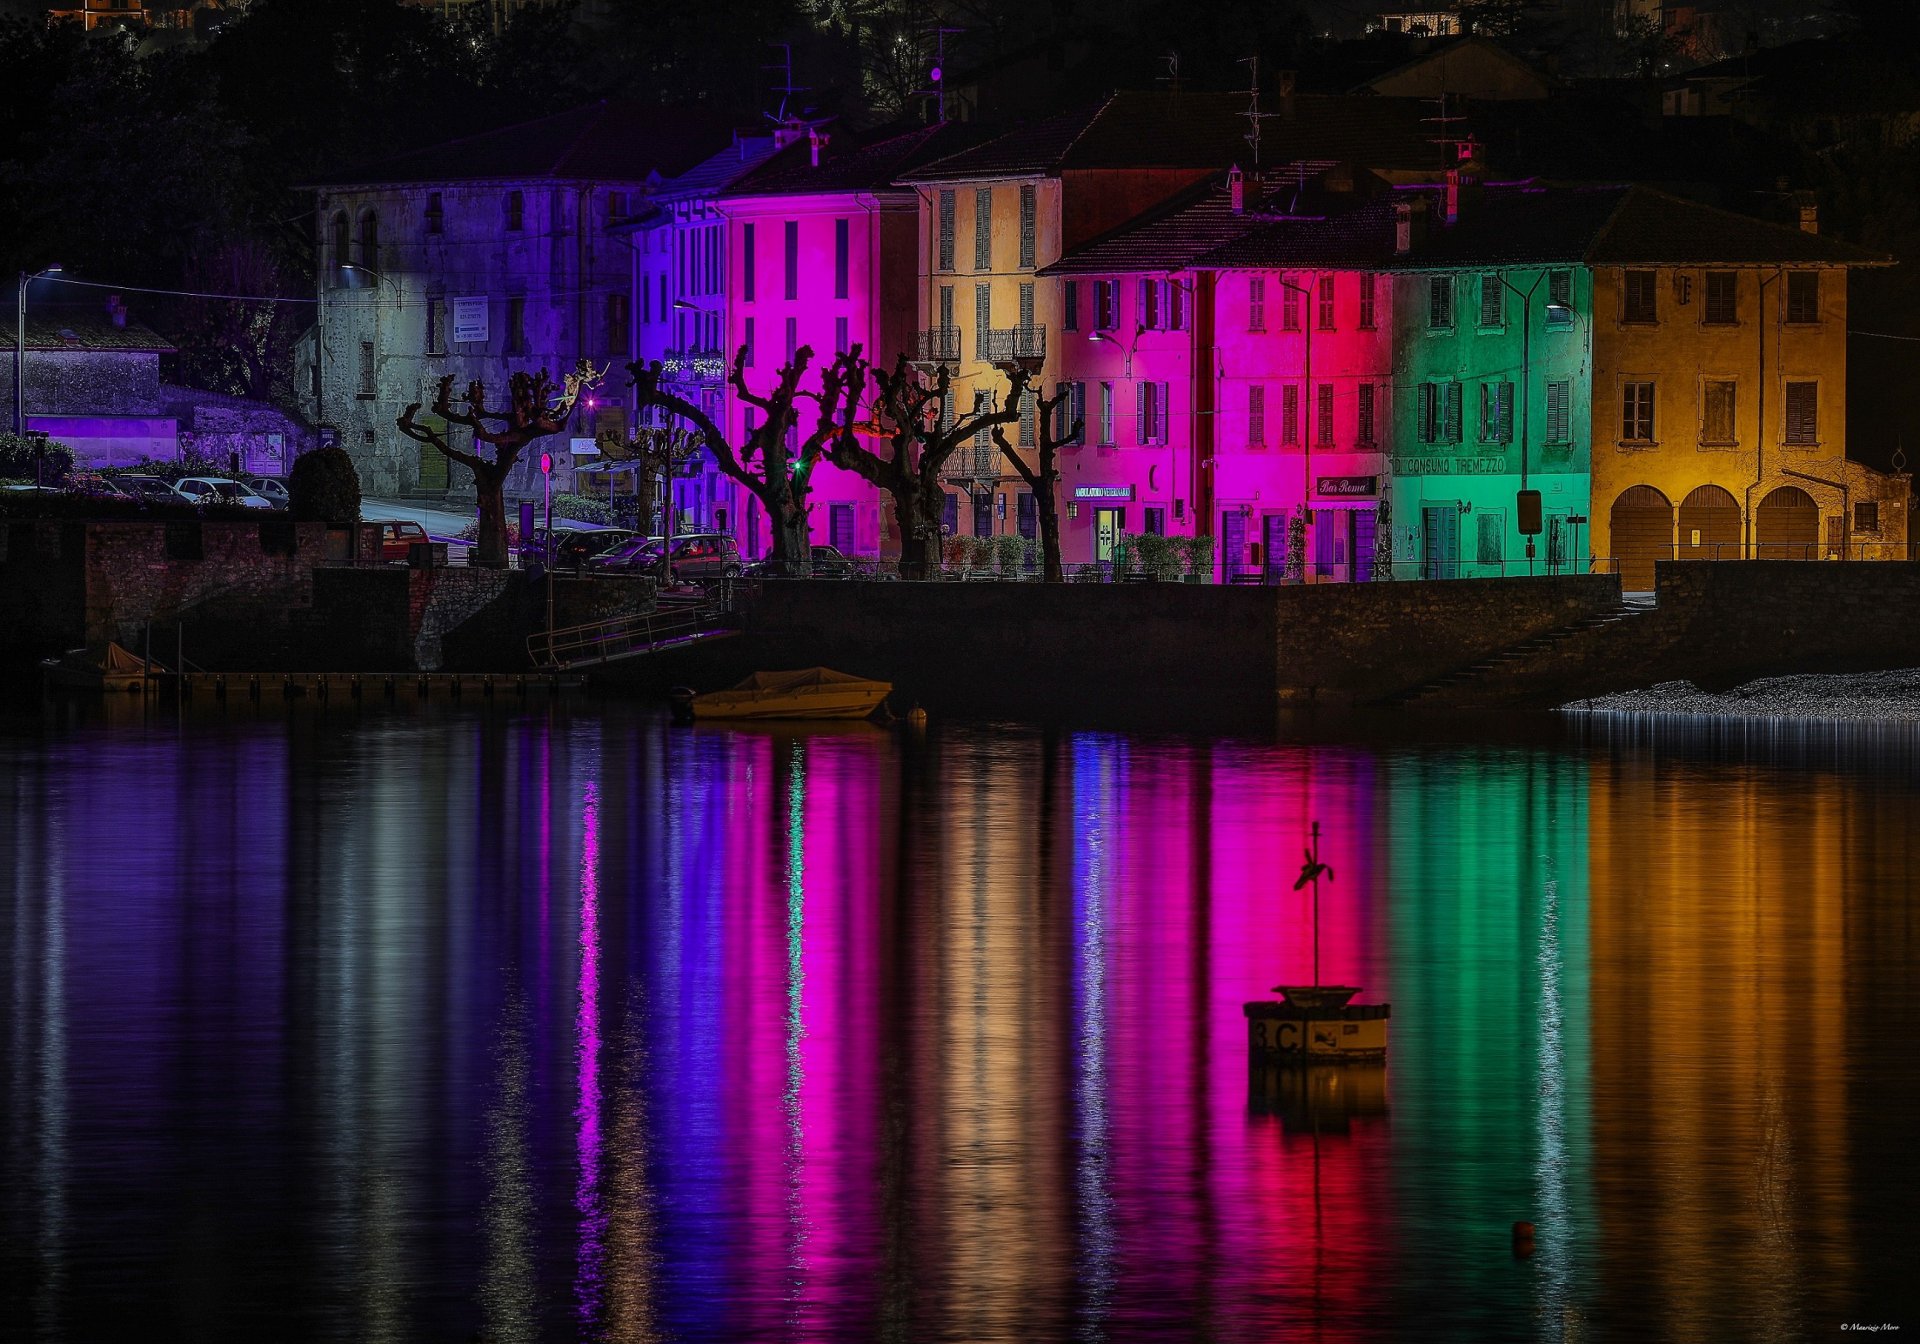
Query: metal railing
{"type": "Point", "coordinates": [1007, 345]}
{"type": "Point", "coordinates": [597, 642]}
{"type": "Point", "coordinates": [937, 345]}
{"type": "Point", "coordinates": [694, 366]}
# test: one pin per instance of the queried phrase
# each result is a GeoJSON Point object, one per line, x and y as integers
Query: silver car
{"type": "Point", "coordinates": [216, 490]}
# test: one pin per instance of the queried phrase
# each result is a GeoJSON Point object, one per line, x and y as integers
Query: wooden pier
{"type": "Point", "coordinates": [373, 685]}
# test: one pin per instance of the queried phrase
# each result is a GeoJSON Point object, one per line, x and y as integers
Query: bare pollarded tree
{"type": "Point", "coordinates": [1042, 476]}
{"type": "Point", "coordinates": [535, 409]}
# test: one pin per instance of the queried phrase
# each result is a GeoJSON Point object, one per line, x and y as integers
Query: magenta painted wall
{"type": "Point", "coordinates": [877, 311]}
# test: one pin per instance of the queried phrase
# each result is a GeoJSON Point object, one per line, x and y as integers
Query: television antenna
{"type": "Point", "coordinates": [1254, 115]}
{"type": "Point", "coordinates": [786, 88]}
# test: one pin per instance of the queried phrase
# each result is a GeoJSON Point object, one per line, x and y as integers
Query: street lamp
{"type": "Point", "coordinates": [1526, 398]}
{"type": "Point", "coordinates": [1126, 349]}
{"type": "Point", "coordinates": [20, 349]}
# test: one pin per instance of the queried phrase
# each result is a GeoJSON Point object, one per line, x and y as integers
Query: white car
{"type": "Point", "coordinates": [215, 490]}
{"type": "Point", "coordinates": [274, 492]}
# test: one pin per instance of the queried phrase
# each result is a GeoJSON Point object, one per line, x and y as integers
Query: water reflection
{"type": "Point", "coordinates": [542, 1026]}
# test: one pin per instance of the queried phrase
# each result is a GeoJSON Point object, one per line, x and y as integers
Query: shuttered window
{"type": "Point", "coordinates": [946, 230]}
{"type": "Point", "coordinates": [1492, 538]}
{"type": "Point", "coordinates": [1026, 308]}
{"type": "Point", "coordinates": [982, 318]}
{"type": "Point", "coordinates": [1366, 318]}
{"type": "Point", "coordinates": [1105, 301]}
{"type": "Point", "coordinates": [1070, 305]}
{"type": "Point", "coordinates": [1256, 303]}
{"type": "Point", "coordinates": [1323, 414]}
{"type": "Point", "coordinates": [746, 339]}
{"type": "Point", "coordinates": [1559, 298]}
{"type": "Point", "coordinates": [1716, 411]}
{"type": "Point", "coordinates": [1363, 416]}
{"type": "Point", "coordinates": [840, 336]}
{"type": "Point", "coordinates": [746, 264]}
{"type": "Point", "coordinates": [1027, 210]}
{"type": "Point", "coordinates": [1176, 306]}
{"type": "Point", "coordinates": [1560, 412]}
{"type": "Point", "coordinates": [1496, 412]}
{"type": "Point", "coordinates": [841, 249]}
{"type": "Point", "coordinates": [1803, 296]}
{"type": "Point", "coordinates": [1455, 395]}
{"type": "Point", "coordinates": [1149, 301]}
{"type": "Point", "coordinates": [1029, 419]}
{"type": "Point", "coordinates": [1289, 306]}
{"type": "Point", "coordinates": [1429, 412]}
{"type": "Point", "coordinates": [1257, 415]}
{"type": "Point", "coordinates": [1722, 298]}
{"type": "Point", "coordinates": [1289, 415]}
{"type": "Point", "coordinates": [793, 338]}
{"type": "Point", "coordinates": [1493, 302]}
{"type": "Point", "coordinates": [793, 258]}
{"type": "Point", "coordinates": [1803, 413]}
{"type": "Point", "coordinates": [983, 229]}
{"type": "Point", "coordinates": [1440, 302]}
{"type": "Point", "coordinates": [982, 404]}
{"type": "Point", "coordinates": [1150, 410]}
{"type": "Point", "coordinates": [1324, 318]}
{"type": "Point", "coordinates": [1106, 413]}
{"type": "Point", "coordinates": [1642, 297]}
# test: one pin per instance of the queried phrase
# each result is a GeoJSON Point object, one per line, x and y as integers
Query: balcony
{"type": "Point", "coordinates": [936, 346]}
{"type": "Point", "coordinates": [974, 462]}
{"type": "Point", "coordinates": [1010, 347]}
{"type": "Point", "coordinates": [707, 368]}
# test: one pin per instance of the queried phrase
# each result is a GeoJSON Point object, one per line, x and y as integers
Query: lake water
{"type": "Point", "coordinates": [572, 1023]}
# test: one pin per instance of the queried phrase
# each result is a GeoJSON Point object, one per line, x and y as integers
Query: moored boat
{"type": "Point", "coordinates": [806, 693]}
{"type": "Point", "coordinates": [118, 669]}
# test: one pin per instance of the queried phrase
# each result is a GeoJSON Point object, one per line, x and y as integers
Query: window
{"type": "Point", "coordinates": [1176, 306]}
{"type": "Point", "coordinates": [746, 264]}
{"type": "Point", "coordinates": [1722, 309]}
{"type": "Point", "coordinates": [1496, 412]}
{"type": "Point", "coordinates": [793, 338]}
{"type": "Point", "coordinates": [1149, 305]}
{"type": "Point", "coordinates": [1803, 296]}
{"type": "Point", "coordinates": [1493, 302]}
{"type": "Point", "coordinates": [946, 230]}
{"type": "Point", "coordinates": [1156, 522]}
{"type": "Point", "coordinates": [840, 251]}
{"type": "Point", "coordinates": [793, 258]}
{"type": "Point", "coordinates": [1559, 298]}
{"type": "Point", "coordinates": [1636, 412]}
{"type": "Point", "coordinates": [946, 315]}
{"type": "Point", "coordinates": [1367, 282]}
{"type": "Point", "coordinates": [1069, 409]}
{"type": "Point", "coordinates": [516, 324]}
{"type": "Point", "coordinates": [1492, 537]}
{"type": "Point", "coordinates": [436, 322]}
{"type": "Point", "coordinates": [340, 257]}
{"type": "Point", "coordinates": [1290, 416]}
{"type": "Point", "coordinates": [1716, 411]}
{"type": "Point", "coordinates": [366, 369]}
{"type": "Point", "coordinates": [1289, 306]}
{"type": "Point", "coordinates": [1439, 413]}
{"type": "Point", "coordinates": [617, 312]}
{"type": "Point", "coordinates": [436, 213]}
{"type": "Point", "coordinates": [515, 208]}
{"type": "Point", "coordinates": [1105, 302]}
{"type": "Point", "coordinates": [1323, 414]}
{"type": "Point", "coordinates": [1026, 308]}
{"type": "Point", "coordinates": [1866, 517]}
{"type": "Point", "coordinates": [1027, 210]}
{"type": "Point", "coordinates": [1642, 300]}
{"type": "Point", "coordinates": [1257, 415]}
{"type": "Point", "coordinates": [983, 229]}
{"type": "Point", "coordinates": [1363, 415]}
{"type": "Point", "coordinates": [1324, 319]}
{"type": "Point", "coordinates": [1029, 418]}
{"type": "Point", "coordinates": [1256, 303]}
{"type": "Point", "coordinates": [982, 318]}
{"type": "Point", "coordinates": [1070, 305]}
{"type": "Point", "coordinates": [1151, 412]}
{"type": "Point", "coordinates": [1803, 413]}
{"type": "Point", "coordinates": [841, 343]}
{"type": "Point", "coordinates": [1560, 412]}
{"type": "Point", "coordinates": [1439, 302]}
{"type": "Point", "coordinates": [746, 339]}
{"type": "Point", "coordinates": [1106, 413]}
{"type": "Point", "coordinates": [370, 240]}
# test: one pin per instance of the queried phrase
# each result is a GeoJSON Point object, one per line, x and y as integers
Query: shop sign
{"type": "Point", "coordinates": [1450, 466]}
{"type": "Point", "coordinates": [1103, 492]}
{"type": "Point", "coordinates": [469, 319]}
{"type": "Point", "coordinates": [1346, 487]}
{"type": "Point", "coordinates": [584, 447]}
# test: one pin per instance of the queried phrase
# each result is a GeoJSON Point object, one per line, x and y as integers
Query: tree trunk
{"type": "Point", "coordinates": [1052, 571]}
{"type": "Point", "coordinates": [792, 540]}
{"type": "Point", "coordinates": [491, 489]}
{"type": "Point", "coordinates": [917, 510]}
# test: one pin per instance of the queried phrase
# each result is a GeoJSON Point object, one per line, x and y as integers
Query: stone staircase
{"type": "Point", "coordinates": [1509, 664]}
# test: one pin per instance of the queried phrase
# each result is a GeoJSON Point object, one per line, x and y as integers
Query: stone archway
{"type": "Point", "coordinates": [1787, 525]}
{"type": "Point", "coordinates": [1641, 525]}
{"type": "Point", "coordinates": [1709, 525]}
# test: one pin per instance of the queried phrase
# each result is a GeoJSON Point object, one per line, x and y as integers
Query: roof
{"type": "Point", "coordinates": [1446, 52]}
{"type": "Point", "coordinates": [1203, 130]}
{"type": "Point", "coordinates": [51, 327]}
{"type": "Point", "coordinates": [855, 162]}
{"type": "Point", "coordinates": [717, 172]}
{"type": "Point", "coordinates": [607, 141]}
{"type": "Point", "coordinates": [1514, 224]}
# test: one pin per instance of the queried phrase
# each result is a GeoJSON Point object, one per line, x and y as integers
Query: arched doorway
{"type": "Point", "coordinates": [1642, 527]}
{"type": "Point", "coordinates": [1787, 525]}
{"type": "Point", "coordinates": [1709, 525]}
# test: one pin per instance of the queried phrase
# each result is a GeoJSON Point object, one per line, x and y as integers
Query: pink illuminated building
{"type": "Point", "coordinates": [821, 252]}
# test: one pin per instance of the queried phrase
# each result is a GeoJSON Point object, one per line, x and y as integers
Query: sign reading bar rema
{"type": "Point", "coordinates": [470, 319]}
{"type": "Point", "coordinates": [1103, 492]}
{"type": "Point", "coordinates": [1345, 487]}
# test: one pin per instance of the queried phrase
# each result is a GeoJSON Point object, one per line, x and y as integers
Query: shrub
{"type": "Point", "coordinates": [324, 488]}
{"type": "Point", "coordinates": [1159, 555]}
{"type": "Point", "coordinates": [21, 459]}
{"type": "Point", "coordinates": [587, 509]}
{"type": "Point", "coordinates": [1010, 555]}
{"type": "Point", "coordinates": [1296, 569]}
{"type": "Point", "coordinates": [1199, 554]}
{"type": "Point", "coordinates": [174, 470]}
{"type": "Point", "coordinates": [1383, 539]}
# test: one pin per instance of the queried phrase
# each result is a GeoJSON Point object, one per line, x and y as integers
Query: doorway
{"type": "Point", "coordinates": [1108, 524]}
{"type": "Point", "coordinates": [1440, 529]}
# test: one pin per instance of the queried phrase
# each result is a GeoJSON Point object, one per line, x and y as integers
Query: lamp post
{"type": "Point", "coordinates": [20, 349]}
{"type": "Point", "coordinates": [1526, 392]}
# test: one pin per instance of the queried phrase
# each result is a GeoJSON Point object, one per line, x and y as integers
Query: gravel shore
{"type": "Point", "coordinates": [1881, 697]}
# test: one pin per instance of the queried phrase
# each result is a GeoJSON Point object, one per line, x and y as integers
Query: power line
{"type": "Point", "coordinates": [177, 293]}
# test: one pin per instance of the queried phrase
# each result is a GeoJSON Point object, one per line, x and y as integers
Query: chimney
{"type": "Point", "coordinates": [116, 310]}
{"type": "Point", "coordinates": [1289, 80]}
{"type": "Point", "coordinates": [817, 140]}
{"type": "Point", "coordinates": [1809, 219]}
{"type": "Point", "coordinates": [787, 132]}
{"type": "Point", "coordinates": [1409, 226]}
{"type": "Point", "coordinates": [1237, 189]}
{"type": "Point", "coordinates": [1463, 182]}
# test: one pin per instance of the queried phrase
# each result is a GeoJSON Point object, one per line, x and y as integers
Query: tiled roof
{"type": "Point", "coordinates": [852, 162]}
{"type": "Point", "coordinates": [607, 141]}
{"type": "Point", "coordinates": [715, 174]}
{"type": "Point", "coordinates": [1205, 130]}
{"type": "Point", "coordinates": [54, 328]}
{"type": "Point", "coordinates": [1502, 225]}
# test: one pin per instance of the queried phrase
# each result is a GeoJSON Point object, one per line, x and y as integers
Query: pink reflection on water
{"type": "Point", "coordinates": [586, 1112]}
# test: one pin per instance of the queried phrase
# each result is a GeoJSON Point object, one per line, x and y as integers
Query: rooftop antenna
{"type": "Point", "coordinates": [1172, 77]}
{"type": "Point", "coordinates": [1446, 119]}
{"type": "Point", "coordinates": [1254, 115]}
{"type": "Point", "coordinates": [786, 88]}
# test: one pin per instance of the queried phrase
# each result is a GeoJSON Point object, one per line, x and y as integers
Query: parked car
{"type": "Point", "coordinates": [397, 536]}
{"type": "Point", "coordinates": [697, 555]}
{"type": "Point", "coordinates": [573, 547]}
{"type": "Point", "coordinates": [274, 492]}
{"type": "Point", "coordinates": [829, 562]}
{"type": "Point", "coordinates": [216, 490]}
{"type": "Point", "coordinates": [94, 484]}
{"type": "Point", "coordinates": [149, 488]}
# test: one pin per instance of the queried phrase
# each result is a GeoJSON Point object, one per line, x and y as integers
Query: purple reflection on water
{"type": "Point", "coordinates": [586, 1110]}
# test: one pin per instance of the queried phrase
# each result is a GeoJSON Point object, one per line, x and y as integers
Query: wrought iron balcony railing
{"type": "Point", "coordinates": [938, 345]}
{"type": "Point", "coordinates": [694, 366]}
{"type": "Point", "coordinates": [1013, 345]}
